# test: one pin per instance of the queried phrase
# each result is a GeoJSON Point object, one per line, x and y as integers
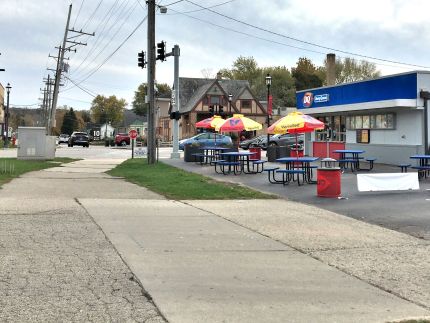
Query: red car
{"type": "Point", "coordinates": [122, 139]}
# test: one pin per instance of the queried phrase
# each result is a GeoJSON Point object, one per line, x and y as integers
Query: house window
{"type": "Point", "coordinates": [215, 100]}
{"type": "Point", "coordinates": [245, 104]}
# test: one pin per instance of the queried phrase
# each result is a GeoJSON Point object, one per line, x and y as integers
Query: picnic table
{"type": "Point", "coordinates": [424, 165]}
{"type": "Point", "coordinates": [349, 158]}
{"type": "Point", "coordinates": [236, 162]}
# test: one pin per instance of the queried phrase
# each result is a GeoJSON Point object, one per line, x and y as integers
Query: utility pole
{"type": "Point", "coordinates": [58, 74]}
{"type": "Point", "coordinates": [60, 65]}
{"type": "Point", "coordinates": [151, 81]}
{"type": "Point", "coordinates": [176, 104]}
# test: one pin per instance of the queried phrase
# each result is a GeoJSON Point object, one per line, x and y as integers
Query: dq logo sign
{"type": "Point", "coordinates": [308, 98]}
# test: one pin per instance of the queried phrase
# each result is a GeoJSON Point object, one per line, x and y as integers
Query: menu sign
{"type": "Point", "coordinates": [363, 136]}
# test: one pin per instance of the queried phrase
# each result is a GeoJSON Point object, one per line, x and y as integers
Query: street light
{"type": "Point", "coordinates": [230, 97]}
{"type": "Point", "coordinates": [6, 117]}
{"type": "Point", "coordinates": [268, 83]}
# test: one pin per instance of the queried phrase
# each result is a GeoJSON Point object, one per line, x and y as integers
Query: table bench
{"type": "Point", "coordinates": [288, 175]}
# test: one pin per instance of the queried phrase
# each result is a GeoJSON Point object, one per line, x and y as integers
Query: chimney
{"type": "Point", "coordinates": [219, 76]}
{"type": "Point", "coordinates": [331, 69]}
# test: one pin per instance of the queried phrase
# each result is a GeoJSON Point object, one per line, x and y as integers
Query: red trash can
{"type": "Point", "coordinates": [257, 151]}
{"type": "Point", "coordinates": [328, 182]}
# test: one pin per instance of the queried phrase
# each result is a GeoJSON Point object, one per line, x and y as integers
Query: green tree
{"type": "Point", "coordinates": [244, 68]}
{"type": "Point", "coordinates": [306, 74]}
{"type": "Point", "coordinates": [108, 109]}
{"type": "Point", "coordinates": [139, 106]}
{"type": "Point", "coordinates": [70, 122]}
{"type": "Point", "coordinates": [351, 70]}
{"type": "Point", "coordinates": [282, 88]}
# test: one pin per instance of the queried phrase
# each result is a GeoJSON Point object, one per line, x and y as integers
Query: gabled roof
{"type": "Point", "coordinates": [191, 90]}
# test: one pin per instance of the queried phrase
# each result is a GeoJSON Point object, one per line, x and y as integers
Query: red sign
{"type": "Point", "coordinates": [132, 134]}
{"type": "Point", "coordinates": [269, 106]}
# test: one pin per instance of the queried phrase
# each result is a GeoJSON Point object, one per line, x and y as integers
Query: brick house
{"type": "Point", "coordinates": [201, 98]}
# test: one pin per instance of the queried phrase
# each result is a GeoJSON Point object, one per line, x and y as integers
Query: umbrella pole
{"type": "Point", "coordinates": [297, 147]}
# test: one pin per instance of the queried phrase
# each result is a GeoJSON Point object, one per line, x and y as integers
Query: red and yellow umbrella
{"type": "Point", "coordinates": [210, 123]}
{"type": "Point", "coordinates": [295, 122]}
{"type": "Point", "coordinates": [237, 123]}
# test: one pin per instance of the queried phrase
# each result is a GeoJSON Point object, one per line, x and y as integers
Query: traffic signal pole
{"type": "Point", "coordinates": [151, 80]}
{"type": "Point", "coordinates": [175, 153]}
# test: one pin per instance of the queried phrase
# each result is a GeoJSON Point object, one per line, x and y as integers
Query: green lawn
{"type": "Point", "coordinates": [178, 184]}
{"type": "Point", "coordinates": [12, 167]}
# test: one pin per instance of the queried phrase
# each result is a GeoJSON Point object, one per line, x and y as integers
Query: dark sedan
{"type": "Point", "coordinates": [245, 144]}
{"type": "Point", "coordinates": [79, 139]}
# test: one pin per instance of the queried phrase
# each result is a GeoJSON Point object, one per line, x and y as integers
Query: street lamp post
{"type": "Point", "coordinates": [268, 83]}
{"type": "Point", "coordinates": [6, 117]}
{"type": "Point", "coordinates": [230, 97]}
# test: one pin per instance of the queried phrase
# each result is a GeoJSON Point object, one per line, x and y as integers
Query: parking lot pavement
{"type": "Point", "coordinates": [404, 211]}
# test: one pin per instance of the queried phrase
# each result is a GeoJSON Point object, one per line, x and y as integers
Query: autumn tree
{"type": "Point", "coordinates": [107, 109]}
{"type": "Point", "coordinates": [139, 106]}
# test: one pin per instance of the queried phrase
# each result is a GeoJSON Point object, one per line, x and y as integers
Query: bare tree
{"type": "Point", "coordinates": [208, 73]}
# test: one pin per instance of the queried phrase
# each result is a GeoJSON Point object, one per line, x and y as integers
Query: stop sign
{"type": "Point", "coordinates": [132, 134]}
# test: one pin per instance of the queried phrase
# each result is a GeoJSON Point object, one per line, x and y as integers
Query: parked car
{"type": "Point", "coordinates": [79, 139]}
{"type": "Point", "coordinates": [206, 139]}
{"type": "Point", "coordinates": [245, 144]}
{"type": "Point", "coordinates": [279, 140]}
{"type": "Point", "coordinates": [286, 140]}
{"type": "Point", "coordinates": [63, 138]}
{"type": "Point", "coordinates": [122, 139]}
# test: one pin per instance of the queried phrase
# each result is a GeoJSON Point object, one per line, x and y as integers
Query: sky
{"type": "Point", "coordinates": [275, 33]}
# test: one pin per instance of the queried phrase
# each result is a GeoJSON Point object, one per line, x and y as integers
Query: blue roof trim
{"type": "Point", "coordinates": [402, 86]}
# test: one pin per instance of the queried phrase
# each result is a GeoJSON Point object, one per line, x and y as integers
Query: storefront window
{"type": "Point", "coordinates": [358, 122]}
{"type": "Point", "coordinates": [376, 121]}
{"type": "Point", "coordinates": [390, 121]}
{"type": "Point", "coordinates": [366, 122]}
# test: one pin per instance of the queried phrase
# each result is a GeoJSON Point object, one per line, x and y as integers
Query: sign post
{"type": "Point", "coordinates": [133, 135]}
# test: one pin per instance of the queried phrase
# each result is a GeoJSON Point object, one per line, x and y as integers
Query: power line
{"type": "Point", "coordinates": [79, 11]}
{"type": "Point", "coordinates": [80, 87]}
{"type": "Point", "coordinates": [130, 11]}
{"type": "Point", "coordinates": [214, 6]}
{"type": "Point", "coordinates": [303, 41]}
{"type": "Point", "coordinates": [113, 53]}
{"type": "Point", "coordinates": [92, 15]}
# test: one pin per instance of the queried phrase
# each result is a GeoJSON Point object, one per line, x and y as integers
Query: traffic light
{"type": "Point", "coordinates": [161, 51]}
{"type": "Point", "coordinates": [211, 109]}
{"type": "Point", "coordinates": [175, 115]}
{"type": "Point", "coordinates": [220, 109]}
{"type": "Point", "coordinates": [141, 59]}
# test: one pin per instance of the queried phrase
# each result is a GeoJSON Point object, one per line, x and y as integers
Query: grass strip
{"type": "Point", "coordinates": [11, 168]}
{"type": "Point", "coordinates": [177, 184]}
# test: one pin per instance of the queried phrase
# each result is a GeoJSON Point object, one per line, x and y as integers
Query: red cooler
{"type": "Point", "coordinates": [257, 151]}
{"type": "Point", "coordinates": [328, 182]}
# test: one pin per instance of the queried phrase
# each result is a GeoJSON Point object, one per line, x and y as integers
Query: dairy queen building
{"type": "Point", "coordinates": [386, 117]}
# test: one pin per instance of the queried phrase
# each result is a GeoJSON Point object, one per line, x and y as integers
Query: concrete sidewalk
{"type": "Point", "coordinates": [213, 261]}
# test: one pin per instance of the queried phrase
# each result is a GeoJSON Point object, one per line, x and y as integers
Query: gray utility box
{"type": "Point", "coordinates": [33, 143]}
